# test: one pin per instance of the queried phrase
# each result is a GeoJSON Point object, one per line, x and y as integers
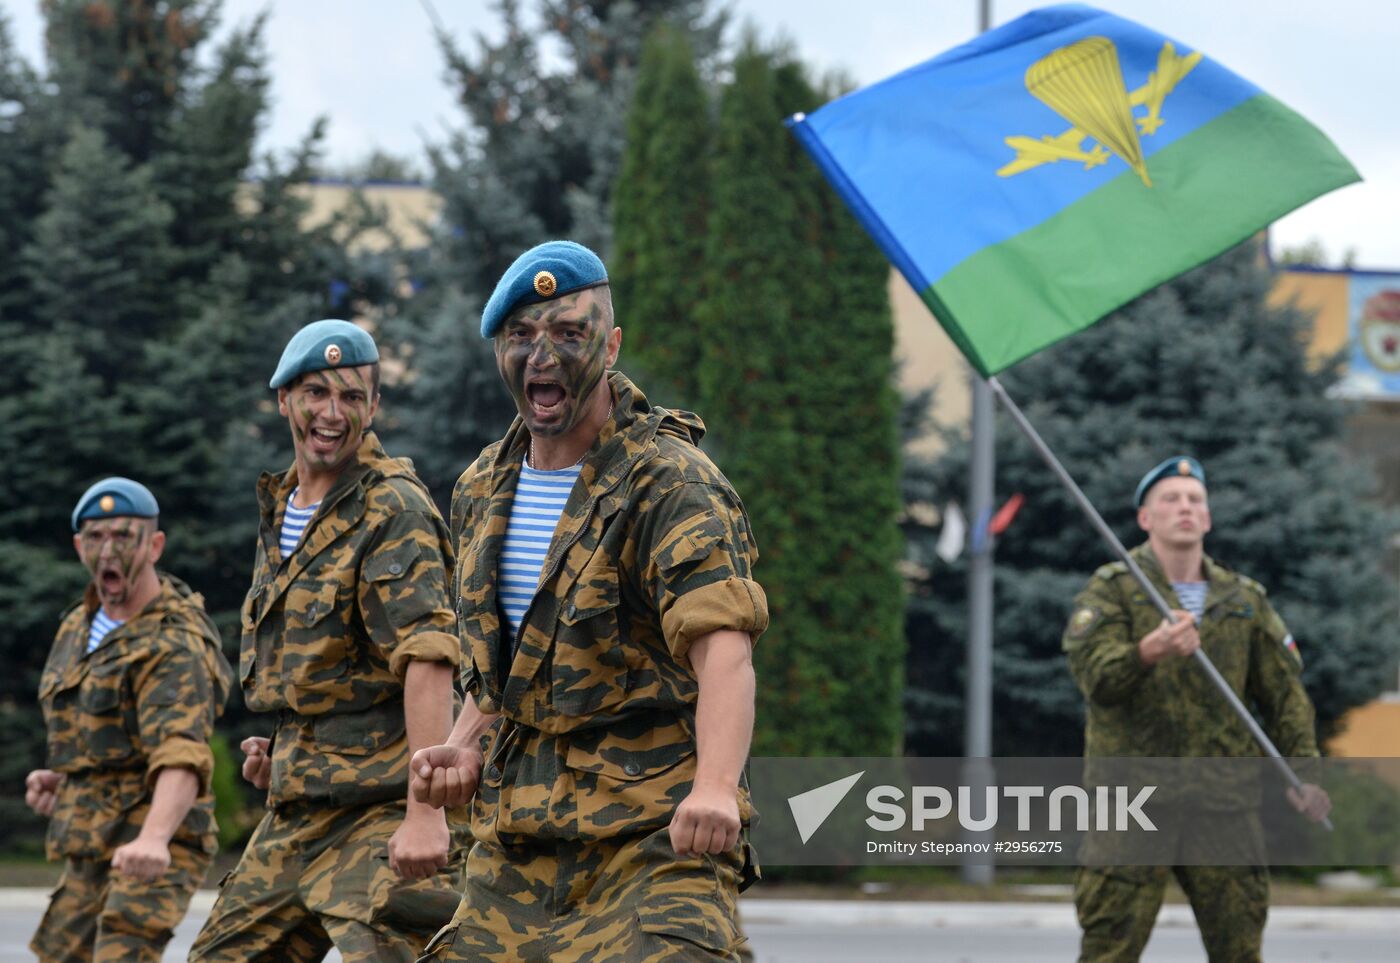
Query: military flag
{"type": "Point", "coordinates": [1033, 180]}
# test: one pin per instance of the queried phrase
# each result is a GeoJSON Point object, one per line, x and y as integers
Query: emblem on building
{"type": "Point", "coordinates": [1380, 329]}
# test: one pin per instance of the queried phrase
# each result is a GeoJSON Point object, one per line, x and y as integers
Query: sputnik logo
{"type": "Point", "coordinates": [810, 808]}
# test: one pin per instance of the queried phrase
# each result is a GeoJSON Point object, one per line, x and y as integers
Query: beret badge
{"type": "Point", "coordinates": [1183, 467]}
{"type": "Point", "coordinates": [333, 354]}
{"type": "Point", "coordinates": [545, 285]}
{"type": "Point", "coordinates": [107, 503]}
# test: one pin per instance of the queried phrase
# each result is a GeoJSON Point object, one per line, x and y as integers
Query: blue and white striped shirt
{"type": "Point", "coordinates": [539, 501]}
{"type": "Point", "coordinates": [101, 625]}
{"type": "Point", "coordinates": [294, 522]}
{"type": "Point", "coordinates": [1192, 596]}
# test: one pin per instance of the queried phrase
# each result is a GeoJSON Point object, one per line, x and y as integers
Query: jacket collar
{"type": "Point", "coordinates": [1220, 581]}
{"type": "Point", "coordinates": [174, 600]}
{"type": "Point", "coordinates": [341, 509]}
{"type": "Point", "coordinates": [625, 438]}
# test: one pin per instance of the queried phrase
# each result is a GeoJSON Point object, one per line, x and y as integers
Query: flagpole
{"type": "Point", "coordinates": [977, 699]}
{"type": "Point", "coordinates": [1108, 536]}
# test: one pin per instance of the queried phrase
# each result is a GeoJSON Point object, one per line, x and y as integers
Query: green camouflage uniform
{"type": "Point", "coordinates": [328, 635]}
{"type": "Point", "coordinates": [142, 701]}
{"type": "Point", "coordinates": [1172, 709]}
{"type": "Point", "coordinates": [596, 747]}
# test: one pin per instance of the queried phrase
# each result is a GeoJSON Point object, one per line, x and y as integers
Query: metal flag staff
{"type": "Point", "coordinates": [920, 159]}
{"type": "Point", "coordinates": [1106, 533]}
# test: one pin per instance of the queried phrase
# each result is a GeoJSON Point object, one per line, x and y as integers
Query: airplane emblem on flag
{"type": "Point", "coordinates": [1083, 83]}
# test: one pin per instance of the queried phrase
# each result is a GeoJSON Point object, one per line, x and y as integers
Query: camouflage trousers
{"type": "Point", "coordinates": [625, 900]}
{"type": "Point", "coordinates": [1117, 908]}
{"type": "Point", "coordinates": [1117, 905]}
{"type": "Point", "coordinates": [100, 915]}
{"type": "Point", "coordinates": [313, 876]}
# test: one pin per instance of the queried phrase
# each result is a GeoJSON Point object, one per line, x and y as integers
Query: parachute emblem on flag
{"type": "Point", "coordinates": [1083, 83]}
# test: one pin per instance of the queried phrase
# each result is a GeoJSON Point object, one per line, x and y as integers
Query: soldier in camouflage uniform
{"type": "Point", "coordinates": [603, 749]}
{"type": "Point", "coordinates": [130, 693]}
{"type": "Point", "coordinates": [347, 637]}
{"type": "Point", "coordinates": [1145, 699]}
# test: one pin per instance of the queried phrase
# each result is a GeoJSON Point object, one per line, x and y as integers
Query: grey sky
{"type": "Point", "coordinates": [373, 68]}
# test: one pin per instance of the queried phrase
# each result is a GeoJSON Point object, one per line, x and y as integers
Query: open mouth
{"type": "Point", "coordinates": [109, 580]}
{"type": "Point", "coordinates": [546, 397]}
{"type": "Point", "coordinates": [325, 439]}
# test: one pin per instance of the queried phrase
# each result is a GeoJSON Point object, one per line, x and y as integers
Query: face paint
{"type": "Point", "coordinates": [329, 413]}
{"type": "Point", "coordinates": [551, 356]}
{"type": "Point", "coordinates": [114, 550]}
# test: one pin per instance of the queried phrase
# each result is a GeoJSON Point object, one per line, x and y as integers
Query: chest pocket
{"type": "Point", "coordinates": [103, 701]}
{"type": "Point", "coordinates": [67, 737]}
{"type": "Point", "coordinates": [316, 647]}
{"type": "Point", "coordinates": [589, 667]}
{"type": "Point", "coordinates": [1226, 632]}
{"type": "Point", "coordinates": [405, 599]}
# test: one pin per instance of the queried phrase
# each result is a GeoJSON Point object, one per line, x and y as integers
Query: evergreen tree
{"type": "Point", "coordinates": [848, 425]}
{"type": "Point", "coordinates": [1203, 365]}
{"type": "Point", "coordinates": [100, 258]}
{"type": "Point", "coordinates": [29, 138]}
{"type": "Point", "coordinates": [793, 337]}
{"type": "Point", "coordinates": [536, 159]}
{"type": "Point", "coordinates": [659, 220]}
{"type": "Point", "coordinates": [121, 66]}
{"type": "Point", "coordinates": [749, 398]}
{"type": "Point", "coordinates": [151, 270]}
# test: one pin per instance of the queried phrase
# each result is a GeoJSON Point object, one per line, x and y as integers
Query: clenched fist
{"type": "Point", "coordinates": [143, 859]}
{"type": "Point", "coordinates": [445, 775]}
{"type": "Point", "coordinates": [41, 790]}
{"type": "Point", "coordinates": [257, 764]}
{"type": "Point", "coordinates": [706, 821]}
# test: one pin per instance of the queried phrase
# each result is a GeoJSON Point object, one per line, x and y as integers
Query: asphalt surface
{"type": "Point", "coordinates": [828, 931]}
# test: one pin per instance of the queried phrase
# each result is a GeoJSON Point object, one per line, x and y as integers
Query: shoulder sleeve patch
{"type": "Point", "coordinates": [1082, 622]}
{"type": "Point", "coordinates": [1110, 571]}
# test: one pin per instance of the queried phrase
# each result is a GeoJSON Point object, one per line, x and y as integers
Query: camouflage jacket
{"type": "Point", "coordinates": [144, 700]}
{"type": "Point", "coordinates": [1172, 708]}
{"type": "Point", "coordinates": [652, 552]}
{"type": "Point", "coordinates": [329, 632]}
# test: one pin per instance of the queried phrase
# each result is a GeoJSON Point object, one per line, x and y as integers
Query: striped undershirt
{"type": "Point", "coordinates": [101, 625]}
{"type": "Point", "coordinates": [539, 501]}
{"type": "Point", "coordinates": [294, 522]}
{"type": "Point", "coordinates": [1192, 596]}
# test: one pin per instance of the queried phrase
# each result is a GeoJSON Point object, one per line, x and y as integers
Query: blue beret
{"type": "Point", "coordinates": [1178, 466]}
{"type": "Point", "coordinates": [543, 273]}
{"type": "Point", "coordinates": [112, 497]}
{"type": "Point", "coordinates": [321, 345]}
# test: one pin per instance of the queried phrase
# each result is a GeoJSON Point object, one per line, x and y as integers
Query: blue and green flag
{"type": "Point", "coordinates": [1035, 179]}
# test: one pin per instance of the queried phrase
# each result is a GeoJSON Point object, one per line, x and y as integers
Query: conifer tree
{"type": "Point", "coordinates": [150, 271]}
{"type": "Point", "coordinates": [1203, 365]}
{"type": "Point", "coordinates": [659, 221]}
{"type": "Point", "coordinates": [100, 257]}
{"type": "Point", "coordinates": [537, 158]}
{"type": "Point", "coordinates": [793, 336]}
{"type": "Point", "coordinates": [748, 395]}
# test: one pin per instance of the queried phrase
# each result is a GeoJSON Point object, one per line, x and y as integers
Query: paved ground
{"type": "Point", "coordinates": [827, 931]}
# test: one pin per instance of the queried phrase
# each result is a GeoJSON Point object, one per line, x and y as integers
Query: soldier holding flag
{"type": "Point", "coordinates": [1145, 698]}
